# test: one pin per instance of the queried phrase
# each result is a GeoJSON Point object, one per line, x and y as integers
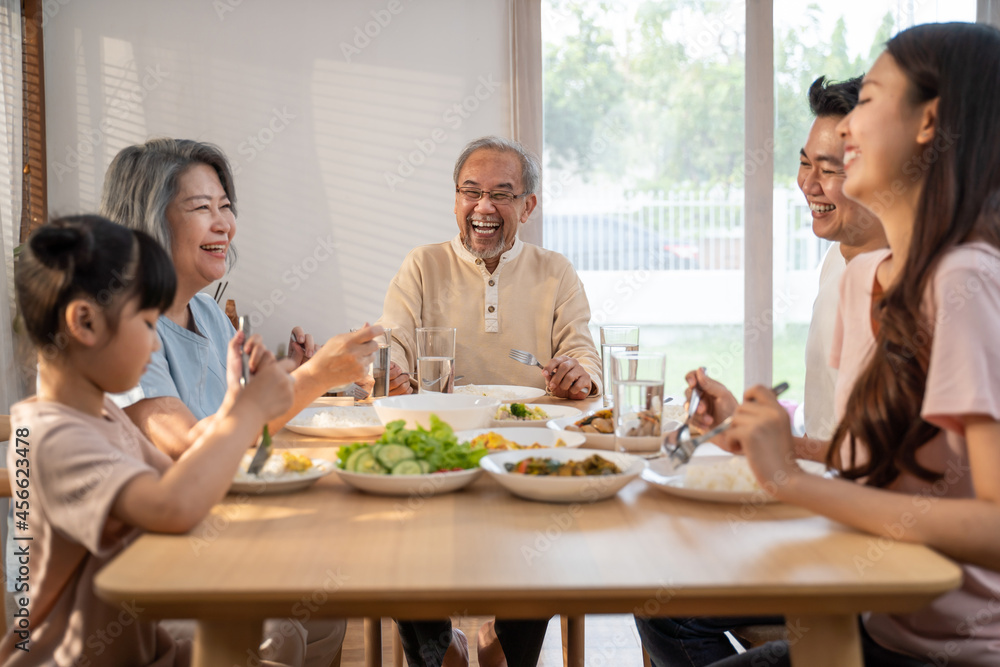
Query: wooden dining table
{"type": "Point", "coordinates": [332, 551]}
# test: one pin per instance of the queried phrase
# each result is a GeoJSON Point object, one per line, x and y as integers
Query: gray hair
{"type": "Point", "coordinates": [530, 167]}
{"type": "Point", "coordinates": [143, 179]}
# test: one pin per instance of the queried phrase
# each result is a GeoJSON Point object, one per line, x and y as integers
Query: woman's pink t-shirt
{"type": "Point", "coordinates": [963, 308]}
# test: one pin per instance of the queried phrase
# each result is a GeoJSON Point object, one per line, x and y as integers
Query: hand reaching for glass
{"type": "Point", "coordinates": [345, 358]}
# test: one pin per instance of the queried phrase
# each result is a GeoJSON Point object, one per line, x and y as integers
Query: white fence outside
{"type": "Point", "coordinates": [659, 258]}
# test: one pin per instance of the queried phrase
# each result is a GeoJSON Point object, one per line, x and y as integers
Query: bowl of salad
{"type": "Point", "coordinates": [411, 462]}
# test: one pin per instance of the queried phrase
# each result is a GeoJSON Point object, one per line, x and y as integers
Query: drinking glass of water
{"type": "Point", "coordinates": [380, 364]}
{"type": "Point", "coordinates": [638, 410]}
{"type": "Point", "coordinates": [436, 359]}
{"type": "Point", "coordinates": [615, 339]}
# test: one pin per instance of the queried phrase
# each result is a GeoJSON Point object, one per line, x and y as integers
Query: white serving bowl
{"type": "Point", "coordinates": [458, 411]}
{"type": "Point", "coordinates": [605, 441]}
{"type": "Point", "coordinates": [553, 412]}
{"type": "Point", "coordinates": [562, 489]}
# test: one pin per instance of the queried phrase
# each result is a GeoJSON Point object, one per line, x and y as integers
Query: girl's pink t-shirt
{"type": "Point", "coordinates": [77, 464]}
{"type": "Point", "coordinates": [962, 306]}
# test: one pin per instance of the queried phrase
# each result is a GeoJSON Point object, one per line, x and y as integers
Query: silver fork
{"type": "Point", "coordinates": [524, 357]}
{"type": "Point", "coordinates": [692, 407]}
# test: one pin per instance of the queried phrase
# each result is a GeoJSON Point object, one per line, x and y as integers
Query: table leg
{"type": "Point", "coordinates": [397, 646]}
{"type": "Point", "coordinates": [575, 641]}
{"type": "Point", "coordinates": [824, 641]}
{"type": "Point", "coordinates": [226, 642]}
{"type": "Point", "coordinates": [373, 642]}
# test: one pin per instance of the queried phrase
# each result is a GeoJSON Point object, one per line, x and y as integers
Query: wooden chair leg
{"type": "Point", "coordinates": [573, 640]}
{"type": "Point", "coordinates": [337, 658]}
{"type": "Point", "coordinates": [646, 662]}
{"type": "Point", "coordinates": [397, 647]}
{"type": "Point", "coordinates": [373, 642]}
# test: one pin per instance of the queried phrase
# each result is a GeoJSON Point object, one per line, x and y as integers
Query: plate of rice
{"type": "Point", "coordinates": [503, 392]}
{"type": "Point", "coordinates": [719, 479]}
{"type": "Point", "coordinates": [283, 472]}
{"type": "Point", "coordinates": [338, 421]}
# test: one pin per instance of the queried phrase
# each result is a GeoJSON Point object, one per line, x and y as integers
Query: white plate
{"type": "Point", "coordinates": [665, 477]}
{"type": "Point", "coordinates": [504, 392]}
{"type": "Point", "coordinates": [605, 441]}
{"type": "Point", "coordinates": [284, 483]}
{"type": "Point", "coordinates": [359, 430]}
{"type": "Point", "coordinates": [527, 436]}
{"type": "Point", "coordinates": [562, 489]}
{"type": "Point", "coordinates": [422, 486]}
{"type": "Point", "coordinates": [553, 412]}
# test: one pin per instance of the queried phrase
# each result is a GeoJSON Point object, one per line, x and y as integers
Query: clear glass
{"type": "Point", "coordinates": [638, 413]}
{"type": "Point", "coordinates": [643, 154]}
{"type": "Point", "coordinates": [436, 359]}
{"type": "Point", "coordinates": [380, 364]}
{"type": "Point", "coordinates": [615, 339]}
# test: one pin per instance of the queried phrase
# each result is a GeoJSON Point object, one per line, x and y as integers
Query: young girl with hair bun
{"type": "Point", "coordinates": [90, 292]}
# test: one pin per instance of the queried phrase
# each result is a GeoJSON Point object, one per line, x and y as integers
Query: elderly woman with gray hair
{"type": "Point", "coordinates": [181, 193]}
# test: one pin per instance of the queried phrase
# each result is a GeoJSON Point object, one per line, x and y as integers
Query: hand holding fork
{"type": "Point", "coordinates": [557, 373]}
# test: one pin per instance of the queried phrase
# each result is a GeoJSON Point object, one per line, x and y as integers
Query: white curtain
{"type": "Point", "coordinates": [526, 92]}
{"type": "Point", "coordinates": [11, 119]}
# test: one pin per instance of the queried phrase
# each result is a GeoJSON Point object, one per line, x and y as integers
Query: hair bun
{"type": "Point", "coordinates": [57, 246]}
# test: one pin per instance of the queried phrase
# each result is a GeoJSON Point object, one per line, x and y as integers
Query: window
{"type": "Point", "coordinates": [643, 159]}
{"type": "Point", "coordinates": [644, 163]}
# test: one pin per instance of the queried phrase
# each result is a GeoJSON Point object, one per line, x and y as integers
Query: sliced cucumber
{"type": "Point", "coordinates": [390, 455]}
{"type": "Point", "coordinates": [366, 463]}
{"type": "Point", "coordinates": [425, 467]}
{"type": "Point", "coordinates": [352, 460]}
{"type": "Point", "coordinates": [407, 467]}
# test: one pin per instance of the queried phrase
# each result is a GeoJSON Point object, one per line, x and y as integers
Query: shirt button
{"type": "Point", "coordinates": [491, 309]}
{"type": "Point", "coordinates": [478, 262]}
{"type": "Point", "coordinates": [492, 283]}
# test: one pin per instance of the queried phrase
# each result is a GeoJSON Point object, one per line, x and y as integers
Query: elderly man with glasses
{"type": "Point", "coordinates": [496, 290]}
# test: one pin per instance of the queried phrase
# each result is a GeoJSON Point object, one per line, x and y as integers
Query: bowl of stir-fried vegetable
{"type": "Point", "coordinates": [530, 414]}
{"type": "Point", "coordinates": [563, 475]}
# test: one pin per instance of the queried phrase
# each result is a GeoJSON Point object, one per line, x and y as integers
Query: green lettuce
{"type": "Point", "coordinates": [437, 445]}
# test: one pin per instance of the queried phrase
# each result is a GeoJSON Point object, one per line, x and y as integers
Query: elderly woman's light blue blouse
{"type": "Point", "coordinates": [190, 366]}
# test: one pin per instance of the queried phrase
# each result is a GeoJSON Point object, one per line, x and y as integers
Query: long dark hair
{"type": "Point", "coordinates": [88, 256]}
{"type": "Point", "coordinates": [959, 63]}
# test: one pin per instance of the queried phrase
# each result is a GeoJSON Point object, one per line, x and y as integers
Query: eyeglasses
{"type": "Point", "coordinates": [496, 196]}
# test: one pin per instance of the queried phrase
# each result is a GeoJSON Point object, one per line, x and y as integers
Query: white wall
{"type": "Point", "coordinates": [316, 116]}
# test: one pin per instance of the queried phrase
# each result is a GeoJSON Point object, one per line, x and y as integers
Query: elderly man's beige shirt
{"type": "Point", "coordinates": [534, 301]}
